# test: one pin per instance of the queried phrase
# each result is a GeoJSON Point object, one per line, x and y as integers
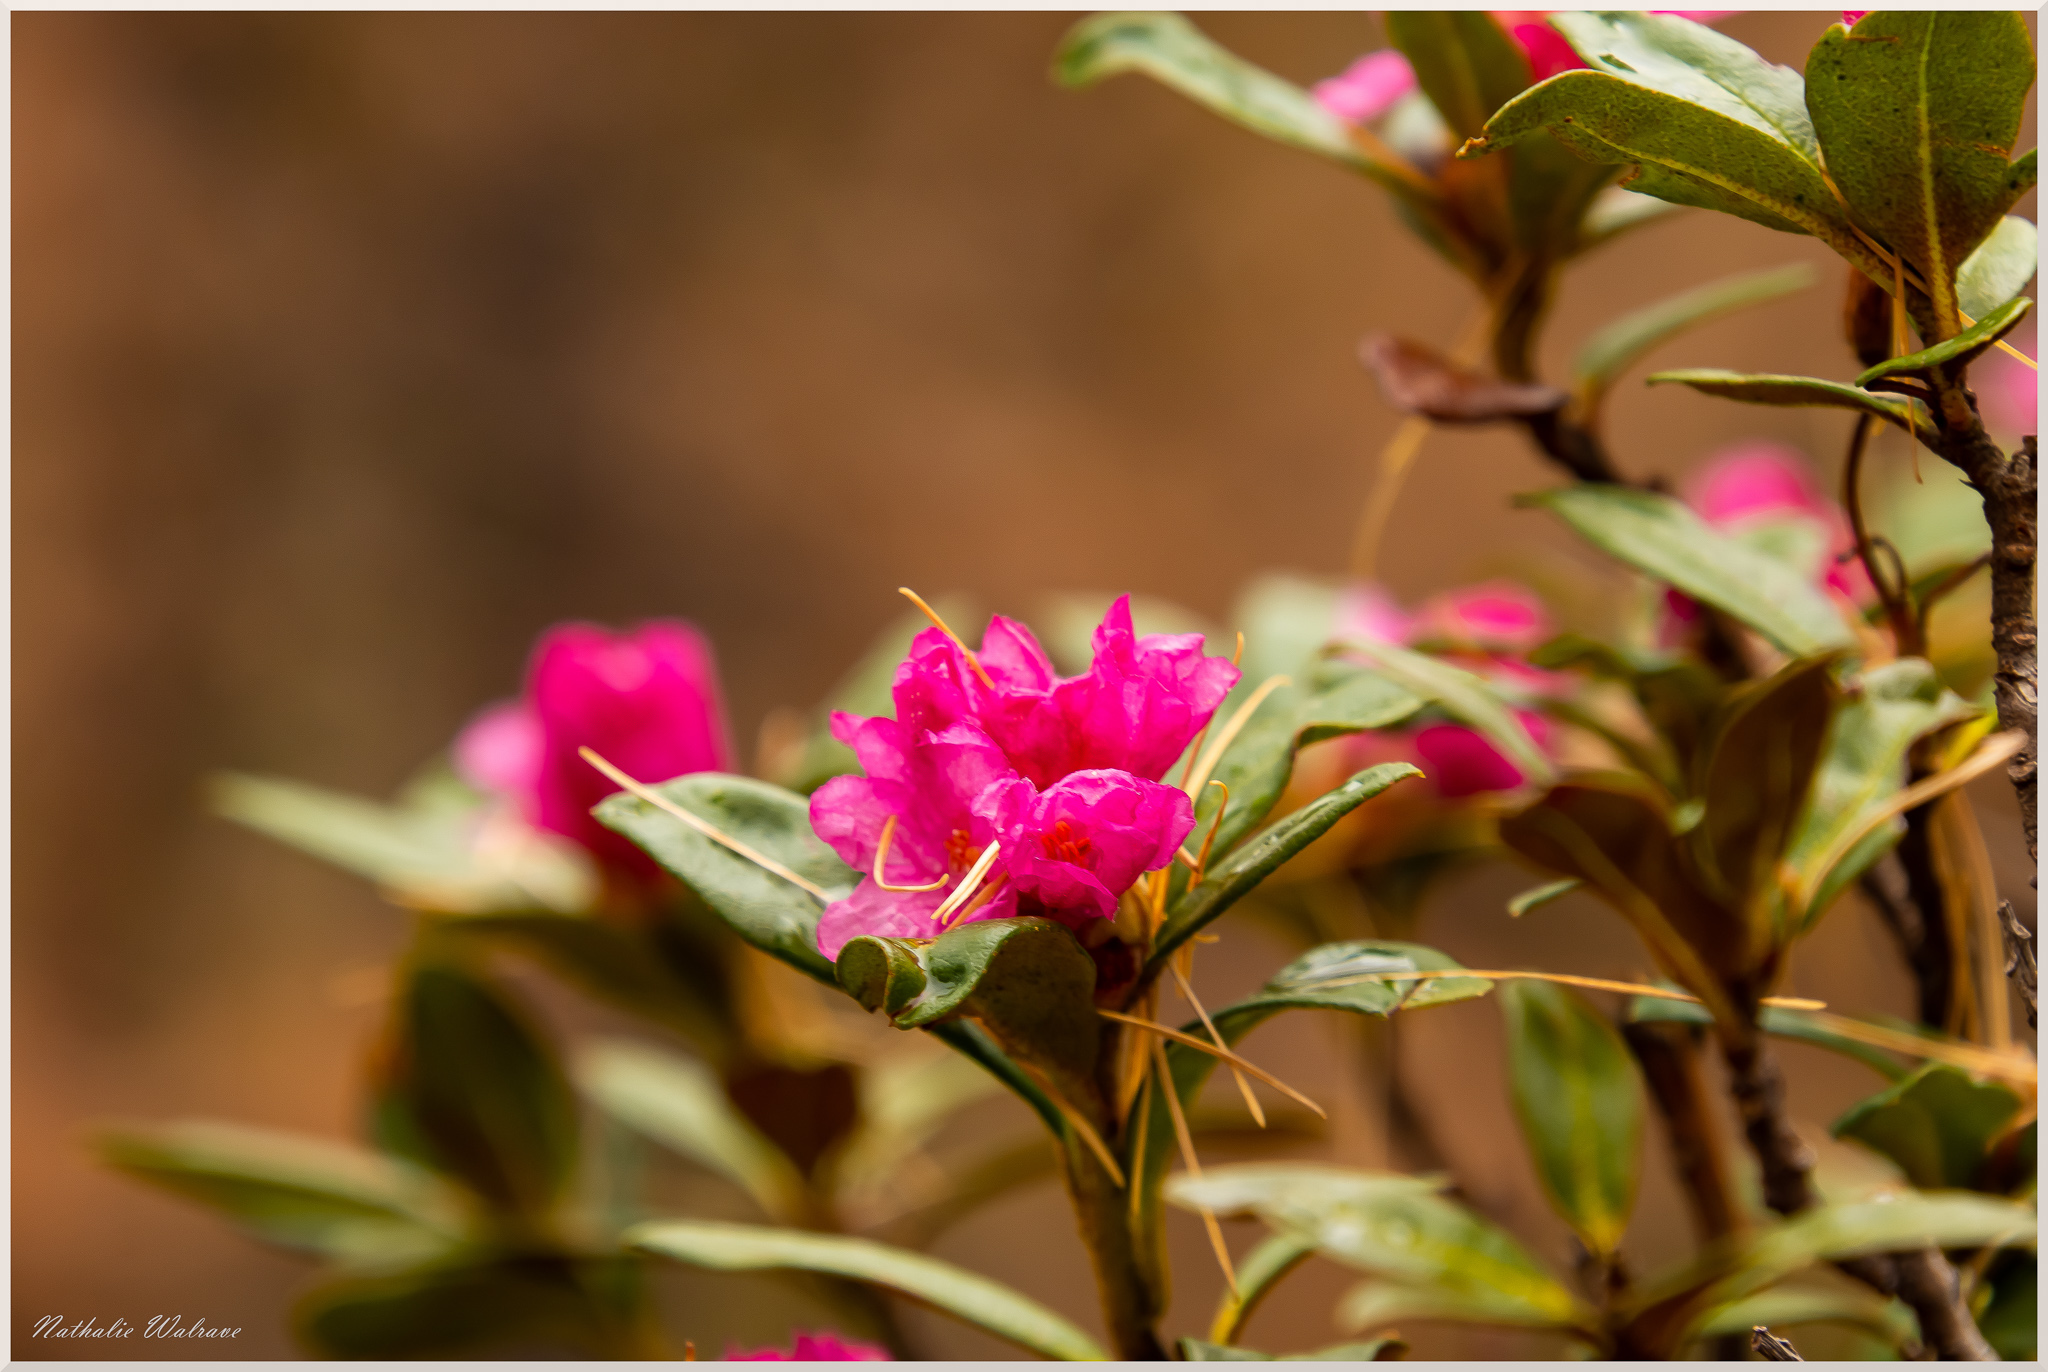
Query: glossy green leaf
{"type": "Point", "coordinates": [1778, 1021]}
{"type": "Point", "coordinates": [2010, 1319]}
{"type": "Point", "coordinates": [1467, 698]}
{"type": "Point", "coordinates": [1027, 982]}
{"type": "Point", "coordinates": [763, 908]}
{"type": "Point", "coordinates": [1260, 760]}
{"type": "Point", "coordinates": [480, 1089]}
{"type": "Point", "coordinates": [966, 1296]}
{"type": "Point", "coordinates": [1237, 875]}
{"type": "Point", "coordinates": [1755, 778]}
{"type": "Point", "coordinates": [337, 1200]}
{"type": "Point", "coordinates": [1464, 61]}
{"type": "Point", "coordinates": [1662, 538]}
{"type": "Point", "coordinates": [1574, 1088]}
{"type": "Point", "coordinates": [1258, 1272]}
{"type": "Point", "coordinates": [520, 1307]}
{"type": "Point", "coordinates": [1682, 152]}
{"type": "Point", "coordinates": [432, 856]}
{"type": "Point", "coordinates": [1917, 112]}
{"type": "Point", "coordinates": [1761, 388]}
{"type": "Point", "coordinates": [1958, 350]}
{"type": "Point", "coordinates": [620, 965]}
{"type": "Point", "coordinates": [1888, 709]}
{"type": "Point", "coordinates": [681, 1104]}
{"type": "Point", "coordinates": [1376, 1350]}
{"type": "Point", "coordinates": [1619, 345]}
{"type": "Point", "coordinates": [1938, 1125]}
{"type": "Point", "coordinates": [1394, 1227]}
{"type": "Point", "coordinates": [2000, 268]}
{"type": "Point", "coordinates": [1699, 65]}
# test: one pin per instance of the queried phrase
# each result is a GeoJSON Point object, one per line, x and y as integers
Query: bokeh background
{"type": "Point", "coordinates": [351, 351]}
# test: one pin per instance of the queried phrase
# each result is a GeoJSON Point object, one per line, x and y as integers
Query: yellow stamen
{"type": "Point", "coordinates": [704, 827]}
{"type": "Point", "coordinates": [944, 628]}
{"type": "Point", "coordinates": [1214, 1051]}
{"type": "Point", "coordinates": [882, 859]}
{"type": "Point", "coordinates": [968, 884]}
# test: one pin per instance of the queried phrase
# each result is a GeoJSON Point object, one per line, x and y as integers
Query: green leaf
{"type": "Point", "coordinates": [763, 908]}
{"type": "Point", "coordinates": [1617, 346]}
{"type": "Point", "coordinates": [1258, 1272]}
{"type": "Point", "coordinates": [905, 1098]}
{"type": "Point", "coordinates": [1542, 895]}
{"type": "Point", "coordinates": [622, 966]}
{"type": "Point", "coordinates": [481, 1090]}
{"type": "Point", "coordinates": [2000, 268]}
{"type": "Point", "coordinates": [1660, 537]}
{"type": "Point", "coordinates": [1889, 708]}
{"type": "Point", "coordinates": [2010, 1322]}
{"type": "Point", "coordinates": [681, 1104]}
{"type": "Point", "coordinates": [1260, 760]}
{"type": "Point", "coordinates": [521, 1307]}
{"type": "Point", "coordinates": [1614, 212]}
{"type": "Point", "coordinates": [1464, 61]}
{"type": "Point", "coordinates": [1697, 64]}
{"type": "Point", "coordinates": [1761, 388]}
{"type": "Point", "coordinates": [1958, 350]}
{"type": "Point", "coordinates": [1776, 1020]}
{"type": "Point", "coordinates": [337, 1200]}
{"type": "Point", "coordinates": [1754, 779]}
{"type": "Point", "coordinates": [1377, 1350]}
{"type": "Point", "coordinates": [1938, 1125]}
{"type": "Point", "coordinates": [1917, 112]}
{"type": "Point", "coordinates": [1237, 875]}
{"type": "Point", "coordinates": [1890, 1320]}
{"type": "Point", "coordinates": [1027, 982]}
{"type": "Point", "coordinates": [1574, 1088]}
{"type": "Point", "coordinates": [431, 856]}
{"type": "Point", "coordinates": [1397, 1228]}
{"type": "Point", "coordinates": [966, 1296]}
{"type": "Point", "coordinates": [1683, 152]}
{"type": "Point", "coordinates": [1467, 698]}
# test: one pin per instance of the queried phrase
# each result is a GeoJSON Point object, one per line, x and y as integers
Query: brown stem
{"type": "Point", "coordinates": [1759, 1090]}
{"type": "Point", "coordinates": [1928, 1282]}
{"type": "Point", "coordinates": [2019, 960]}
{"type": "Point", "coordinates": [1578, 450]}
{"type": "Point", "coordinates": [1891, 594]}
{"type": "Point", "coordinates": [1933, 961]}
{"type": "Point", "coordinates": [1670, 1058]}
{"type": "Point", "coordinates": [1771, 1348]}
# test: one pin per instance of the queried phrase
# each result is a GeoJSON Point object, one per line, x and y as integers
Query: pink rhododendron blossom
{"type": "Point", "coordinates": [1849, 17]}
{"type": "Point", "coordinates": [1463, 762]}
{"type": "Point", "coordinates": [819, 1347]}
{"type": "Point", "coordinates": [1498, 617]}
{"type": "Point", "coordinates": [1367, 88]}
{"type": "Point", "coordinates": [2008, 392]}
{"type": "Point", "coordinates": [646, 699]}
{"type": "Point", "coordinates": [1061, 774]}
{"type": "Point", "coordinates": [1756, 483]}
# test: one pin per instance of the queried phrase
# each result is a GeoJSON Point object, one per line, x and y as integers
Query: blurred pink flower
{"type": "Point", "coordinates": [1498, 617]}
{"type": "Point", "coordinates": [2008, 392]}
{"type": "Point", "coordinates": [647, 699]}
{"type": "Point", "coordinates": [1849, 17]}
{"type": "Point", "coordinates": [1062, 774]}
{"type": "Point", "coordinates": [819, 1347]}
{"type": "Point", "coordinates": [1755, 483]}
{"type": "Point", "coordinates": [1463, 762]}
{"type": "Point", "coordinates": [1367, 88]}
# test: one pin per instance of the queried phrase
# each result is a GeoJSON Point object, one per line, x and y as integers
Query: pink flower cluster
{"type": "Point", "coordinates": [819, 1347]}
{"type": "Point", "coordinates": [647, 700]}
{"type": "Point", "coordinates": [1002, 789]}
{"type": "Point", "coordinates": [1369, 87]}
{"type": "Point", "coordinates": [1487, 629]}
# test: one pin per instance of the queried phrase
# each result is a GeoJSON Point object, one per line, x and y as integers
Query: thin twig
{"type": "Point", "coordinates": [2019, 960]}
{"type": "Point", "coordinates": [1191, 1162]}
{"type": "Point", "coordinates": [1771, 1348]}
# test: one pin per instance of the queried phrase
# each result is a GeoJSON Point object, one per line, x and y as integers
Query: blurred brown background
{"type": "Point", "coordinates": [350, 351]}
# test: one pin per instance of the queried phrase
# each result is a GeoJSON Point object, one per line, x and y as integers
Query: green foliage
{"type": "Point", "coordinates": [1236, 876]}
{"type": "Point", "coordinates": [1938, 1125]}
{"type": "Point", "coordinates": [765, 909]}
{"type": "Point", "coordinates": [1777, 1020]}
{"type": "Point", "coordinates": [1400, 1231]}
{"type": "Point", "coordinates": [1662, 538]}
{"type": "Point", "coordinates": [335, 1200]}
{"type": "Point", "coordinates": [1376, 1350]}
{"type": "Point", "coordinates": [1574, 1089]}
{"type": "Point", "coordinates": [962, 1294]}
{"type": "Point", "coordinates": [1258, 1272]}
{"type": "Point", "coordinates": [1917, 111]}
{"type": "Point", "coordinates": [2000, 268]}
{"type": "Point", "coordinates": [479, 1092]}
{"type": "Point", "coordinates": [1537, 896]}
{"type": "Point", "coordinates": [433, 851]}
{"type": "Point", "coordinates": [1619, 345]}
{"type": "Point", "coordinates": [1782, 1307]}
{"type": "Point", "coordinates": [1760, 388]}
{"type": "Point", "coordinates": [682, 1105]}
{"type": "Point", "coordinates": [2008, 1318]}
{"type": "Point", "coordinates": [1956, 351]}
{"type": "Point", "coordinates": [1462, 695]}
{"type": "Point", "coordinates": [528, 1306]}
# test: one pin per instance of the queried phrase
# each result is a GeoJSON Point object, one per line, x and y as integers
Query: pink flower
{"type": "Point", "coordinates": [1545, 47]}
{"type": "Point", "coordinates": [820, 1347]}
{"type": "Point", "coordinates": [1367, 88]}
{"type": "Point", "coordinates": [1498, 617]}
{"type": "Point", "coordinates": [2008, 392]}
{"type": "Point", "coordinates": [1849, 17]}
{"type": "Point", "coordinates": [1061, 775]}
{"type": "Point", "coordinates": [1463, 762]}
{"type": "Point", "coordinates": [1756, 483]}
{"type": "Point", "coordinates": [647, 700]}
